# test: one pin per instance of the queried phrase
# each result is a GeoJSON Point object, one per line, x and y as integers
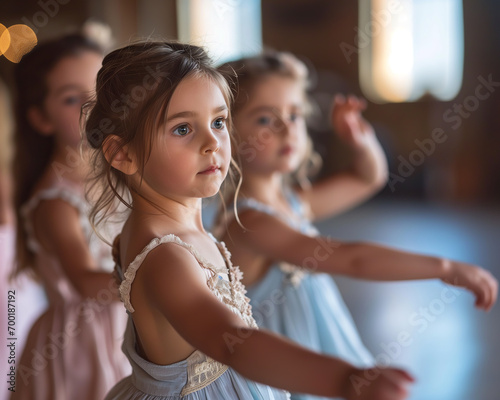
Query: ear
{"type": "Point", "coordinates": [119, 156]}
{"type": "Point", "coordinates": [39, 121]}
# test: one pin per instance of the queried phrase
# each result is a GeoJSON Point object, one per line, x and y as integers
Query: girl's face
{"type": "Point", "coordinates": [70, 84]}
{"type": "Point", "coordinates": [191, 153]}
{"type": "Point", "coordinates": [271, 128]}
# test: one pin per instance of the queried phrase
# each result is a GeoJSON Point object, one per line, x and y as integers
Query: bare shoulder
{"type": "Point", "coordinates": [165, 261]}
{"type": "Point", "coordinates": [55, 217]}
{"type": "Point", "coordinates": [250, 221]}
{"type": "Point", "coordinates": [251, 225]}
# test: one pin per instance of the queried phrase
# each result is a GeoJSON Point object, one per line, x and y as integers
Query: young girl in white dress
{"type": "Point", "coordinates": [160, 128]}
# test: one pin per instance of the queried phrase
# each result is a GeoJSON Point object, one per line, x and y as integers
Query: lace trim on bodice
{"type": "Point", "coordinates": [225, 284]}
{"type": "Point", "coordinates": [229, 291]}
{"type": "Point", "coordinates": [201, 371]}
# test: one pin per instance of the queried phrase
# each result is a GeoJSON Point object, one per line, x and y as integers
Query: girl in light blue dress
{"type": "Point", "coordinates": [286, 265]}
{"type": "Point", "coordinates": [159, 128]}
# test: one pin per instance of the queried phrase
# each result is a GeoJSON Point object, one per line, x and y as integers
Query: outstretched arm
{"type": "Point", "coordinates": [270, 237]}
{"type": "Point", "coordinates": [170, 280]}
{"type": "Point", "coordinates": [369, 169]}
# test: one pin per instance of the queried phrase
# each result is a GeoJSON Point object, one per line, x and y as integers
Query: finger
{"type": "Point", "coordinates": [352, 101]}
{"type": "Point", "coordinates": [363, 103]}
{"type": "Point", "coordinates": [492, 287]}
{"type": "Point", "coordinates": [494, 294]}
{"type": "Point", "coordinates": [486, 285]}
{"type": "Point", "coordinates": [336, 107]}
{"type": "Point", "coordinates": [488, 292]}
{"type": "Point", "coordinates": [397, 388]}
{"type": "Point", "coordinates": [339, 98]}
{"type": "Point", "coordinates": [401, 375]}
{"type": "Point", "coordinates": [480, 296]}
{"type": "Point", "coordinates": [338, 102]}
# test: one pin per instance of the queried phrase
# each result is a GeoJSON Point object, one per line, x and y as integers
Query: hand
{"type": "Point", "coordinates": [348, 122]}
{"type": "Point", "coordinates": [479, 281]}
{"type": "Point", "coordinates": [379, 384]}
{"type": "Point", "coordinates": [115, 252]}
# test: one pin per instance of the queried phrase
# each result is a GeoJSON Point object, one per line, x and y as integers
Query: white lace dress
{"type": "Point", "coordinates": [198, 377]}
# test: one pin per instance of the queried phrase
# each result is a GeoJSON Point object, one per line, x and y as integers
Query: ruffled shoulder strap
{"type": "Point", "coordinates": [253, 204]}
{"type": "Point", "coordinates": [130, 273]}
{"type": "Point", "coordinates": [65, 194]}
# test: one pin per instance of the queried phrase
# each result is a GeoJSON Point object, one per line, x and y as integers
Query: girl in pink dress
{"type": "Point", "coordinates": [73, 349]}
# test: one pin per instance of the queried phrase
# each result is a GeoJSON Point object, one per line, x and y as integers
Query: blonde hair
{"type": "Point", "coordinates": [245, 73]}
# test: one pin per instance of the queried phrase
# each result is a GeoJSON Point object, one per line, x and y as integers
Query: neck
{"type": "Point", "coordinates": [67, 163]}
{"type": "Point", "coordinates": [263, 187]}
{"type": "Point", "coordinates": [178, 214]}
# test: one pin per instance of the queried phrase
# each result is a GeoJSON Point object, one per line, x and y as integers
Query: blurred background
{"type": "Point", "coordinates": [430, 70]}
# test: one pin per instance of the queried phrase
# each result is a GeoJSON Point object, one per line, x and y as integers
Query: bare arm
{"type": "Point", "coordinates": [170, 278]}
{"type": "Point", "coordinates": [58, 229]}
{"type": "Point", "coordinates": [6, 211]}
{"type": "Point", "coordinates": [271, 237]}
{"type": "Point", "coordinates": [369, 169]}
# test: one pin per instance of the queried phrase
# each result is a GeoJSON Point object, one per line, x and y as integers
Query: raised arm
{"type": "Point", "coordinates": [368, 172]}
{"type": "Point", "coordinates": [58, 229]}
{"type": "Point", "coordinates": [171, 279]}
{"type": "Point", "coordinates": [270, 237]}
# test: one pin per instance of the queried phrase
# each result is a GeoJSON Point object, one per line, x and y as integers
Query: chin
{"type": "Point", "coordinates": [288, 168]}
{"type": "Point", "coordinates": [208, 190]}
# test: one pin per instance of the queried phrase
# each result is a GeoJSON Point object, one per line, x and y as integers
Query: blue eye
{"type": "Point", "coordinates": [295, 116]}
{"type": "Point", "coordinates": [182, 130]}
{"type": "Point", "coordinates": [72, 100]}
{"type": "Point", "coordinates": [264, 121]}
{"type": "Point", "coordinates": [219, 123]}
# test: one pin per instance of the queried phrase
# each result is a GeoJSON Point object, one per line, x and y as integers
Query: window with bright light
{"type": "Point", "coordinates": [228, 29]}
{"type": "Point", "coordinates": [410, 48]}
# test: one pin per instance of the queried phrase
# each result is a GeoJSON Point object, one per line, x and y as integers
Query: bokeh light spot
{"type": "Point", "coordinates": [22, 40]}
{"type": "Point", "coordinates": [4, 39]}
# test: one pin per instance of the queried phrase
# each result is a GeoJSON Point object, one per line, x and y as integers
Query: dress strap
{"type": "Point", "coordinates": [130, 273]}
{"type": "Point", "coordinates": [253, 204]}
{"type": "Point", "coordinates": [299, 222]}
{"type": "Point", "coordinates": [296, 203]}
{"type": "Point", "coordinates": [55, 193]}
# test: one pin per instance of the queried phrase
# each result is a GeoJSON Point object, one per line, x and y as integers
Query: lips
{"type": "Point", "coordinates": [210, 170]}
{"type": "Point", "coordinates": [286, 150]}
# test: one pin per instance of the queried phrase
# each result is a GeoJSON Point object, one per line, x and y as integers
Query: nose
{"type": "Point", "coordinates": [211, 143]}
{"type": "Point", "coordinates": [282, 126]}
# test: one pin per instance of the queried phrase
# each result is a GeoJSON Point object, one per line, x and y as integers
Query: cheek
{"type": "Point", "coordinates": [162, 173]}
{"type": "Point", "coordinates": [66, 120]}
{"type": "Point", "coordinates": [225, 147]}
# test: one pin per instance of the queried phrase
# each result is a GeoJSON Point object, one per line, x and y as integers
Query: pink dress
{"type": "Point", "coordinates": [73, 349]}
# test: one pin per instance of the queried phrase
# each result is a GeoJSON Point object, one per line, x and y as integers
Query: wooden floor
{"type": "Point", "coordinates": [451, 348]}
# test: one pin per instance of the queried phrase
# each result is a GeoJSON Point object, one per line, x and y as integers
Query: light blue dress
{"type": "Point", "coordinates": [303, 305]}
{"type": "Point", "coordinates": [198, 377]}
